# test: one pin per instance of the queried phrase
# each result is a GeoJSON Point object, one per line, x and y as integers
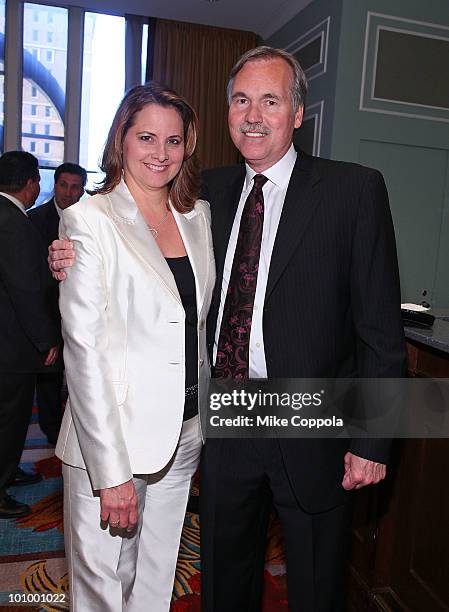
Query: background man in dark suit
{"type": "Point", "coordinates": [70, 180]}
{"type": "Point", "coordinates": [326, 304]}
{"type": "Point", "coordinates": [29, 334]}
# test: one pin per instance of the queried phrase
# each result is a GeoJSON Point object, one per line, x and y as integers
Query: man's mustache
{"type": "Point", "coordinates": [260, 128]}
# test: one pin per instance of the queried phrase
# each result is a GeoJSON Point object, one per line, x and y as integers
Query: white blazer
{"type": "Point", "coordinates": [124, 337]}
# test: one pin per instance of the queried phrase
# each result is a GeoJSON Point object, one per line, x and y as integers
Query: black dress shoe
{"type": "Point", "coordinates": [11, 508]}
{"type": "Point", "coordinates": [24, 478]}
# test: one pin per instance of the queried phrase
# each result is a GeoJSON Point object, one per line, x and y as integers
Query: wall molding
{"type": "Point", "coordinates": [319, 31]}
{"type": "Point", "coordinates": [375, 23]}
{"type": "Point", "coordinates": [315, 111]}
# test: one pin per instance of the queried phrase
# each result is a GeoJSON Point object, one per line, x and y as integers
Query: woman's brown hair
{"type": "Point", "coordinates": [184, 188]}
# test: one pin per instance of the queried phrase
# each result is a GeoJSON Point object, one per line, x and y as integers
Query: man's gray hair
{"type": "Point", "coordinates": [298, 88]}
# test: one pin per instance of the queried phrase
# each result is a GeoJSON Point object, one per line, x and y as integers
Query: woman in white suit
{"type": "Point", "coordinates": [133, 311]}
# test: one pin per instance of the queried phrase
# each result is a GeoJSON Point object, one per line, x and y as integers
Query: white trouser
{"type": "Point", "coordinates": [112, 571]}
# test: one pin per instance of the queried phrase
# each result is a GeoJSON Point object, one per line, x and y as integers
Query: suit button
{"type": "Point", "coordinates": [201, 362]}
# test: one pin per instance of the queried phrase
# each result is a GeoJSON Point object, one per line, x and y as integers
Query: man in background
{"type": "Point", "coordinates": [70, 180]}
{"type": "Point", "coordinates": [29, 328]}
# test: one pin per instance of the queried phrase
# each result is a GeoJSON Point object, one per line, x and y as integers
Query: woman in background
{"type": "Point", "coordinates": [133, 308]}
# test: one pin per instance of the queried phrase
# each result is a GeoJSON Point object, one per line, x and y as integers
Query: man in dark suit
{"type": "Point", "coordinates": [326, 305]}
{"type": "Point", "coordinates": [314, 241]}
{"type": "Point", "coordinates": [29, 329]}
{"type": "Point", "coordinates": [70, 180]}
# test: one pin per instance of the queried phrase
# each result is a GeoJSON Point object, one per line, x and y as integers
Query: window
{"type": "Point", "coordinates": [144, 53]}
{"type": "Point", "coordinates": [46, 147]}
{"type": "Point", "coordinates": [104, 45]}
{"type": "Point", "coordinates": [100, 42]}
{"type": "Point", "coordinates": [34, 109]}
{"type": "Point", "coordinates": [47, 183]}
{"type": "Point", "coordinates": [33, 146]}
{"type": "Point", "coordinates": [47, 76]}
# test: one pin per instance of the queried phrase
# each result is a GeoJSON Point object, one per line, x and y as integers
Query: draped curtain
{"type": "Point", "coordinates": [195, 61]}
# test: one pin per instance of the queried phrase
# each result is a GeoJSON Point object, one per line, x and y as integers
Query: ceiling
{"type": "Point", "coordinates": [260, 16]}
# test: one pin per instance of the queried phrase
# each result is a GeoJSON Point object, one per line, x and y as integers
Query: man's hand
{"type": "Point", "coordinates": [360, 472]}
{"type": "Point", "coordinates": [60, 255]}
{"type": "Point", "coordinates": [119, 506]}
{"type": "Point", "coordinates": [52, 356]}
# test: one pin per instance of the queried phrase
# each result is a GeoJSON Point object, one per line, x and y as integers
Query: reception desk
{"type": "Point", "coordinates": [400, 543]}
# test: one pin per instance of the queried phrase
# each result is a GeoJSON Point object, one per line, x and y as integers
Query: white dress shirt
{"type": "Point", "coordinates": [15, 201]}
{"type": "Point", "coordinates": [274, 192]}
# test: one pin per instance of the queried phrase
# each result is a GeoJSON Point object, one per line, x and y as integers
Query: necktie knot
{"type": "Point", "coordinates": [259, 181]}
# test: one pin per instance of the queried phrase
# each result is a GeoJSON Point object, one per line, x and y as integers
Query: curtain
{"type": "Point", "coordinates": [195, 61]}
{"type": "Point", "coordinates": [133, 50]}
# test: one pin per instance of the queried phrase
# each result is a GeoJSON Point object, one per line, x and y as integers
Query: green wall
{"type": "Point", "coordinates": [412, 151]}
{"type": "Point", "coordinates": [321, 88]}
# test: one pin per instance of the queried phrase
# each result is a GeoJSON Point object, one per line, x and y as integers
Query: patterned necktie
{"type": "Point", "coordinates": [233, 344]}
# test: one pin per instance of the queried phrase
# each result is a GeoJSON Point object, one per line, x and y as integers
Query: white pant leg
{"type": "Point", "coordinates": [163, 518]}
{"type": "Point", "coordinates": [101, 562]}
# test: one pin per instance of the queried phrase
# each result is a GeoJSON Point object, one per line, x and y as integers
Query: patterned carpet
{"type": "Point", "coordinates": [32, 560]}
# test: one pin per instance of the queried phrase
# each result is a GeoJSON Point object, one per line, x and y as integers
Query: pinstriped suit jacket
{"type": "Point", "coordinates": [332, 306]}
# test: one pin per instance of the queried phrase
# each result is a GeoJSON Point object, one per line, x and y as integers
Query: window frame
{"type": "Point", "coordinates": [14, 45]}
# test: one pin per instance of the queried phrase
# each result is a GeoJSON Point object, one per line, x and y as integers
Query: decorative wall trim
{"type": "Point", "coordinates": [315, 111]}
{"type": "Point", "coordinates": [319, 31]}
{"type": "Point", "coordinates": [368, 101]}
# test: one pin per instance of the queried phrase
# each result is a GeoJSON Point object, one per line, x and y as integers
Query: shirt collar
{"type": "Point", "coordinates": [279, 174]}
{"type": "Point", "coordinates": [15, 201]}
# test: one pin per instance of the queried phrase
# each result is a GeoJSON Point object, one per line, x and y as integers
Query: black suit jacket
{"type": "Point", "coordinates": [332, 305]}
{"type": "Point", "coordinates": [46, 219]}
{"type": "Point", "coordinates": [29, 324]}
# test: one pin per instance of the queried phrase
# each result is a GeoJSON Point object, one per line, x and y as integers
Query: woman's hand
{"type": "Point", "coordinates": [119, 506]}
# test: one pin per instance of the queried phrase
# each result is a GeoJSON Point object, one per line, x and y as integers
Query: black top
{"type": "Point", "coordinates": [185, 281]}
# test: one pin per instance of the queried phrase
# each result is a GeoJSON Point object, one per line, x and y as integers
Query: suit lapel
{"type": "Point", "coordinates": [224, 207]}
{"type": "Point", "coordinates": [300, 203]}
{"type": "Point", "coordinates": [53, 221]}
{"type": "Point", "coordinates": [131, 225]}
{"type": "Point", "coordinates": [193, 230]}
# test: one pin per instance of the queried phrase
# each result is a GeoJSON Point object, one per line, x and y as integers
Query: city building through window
{"type": "Point", "coordinates": [41, 123]}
